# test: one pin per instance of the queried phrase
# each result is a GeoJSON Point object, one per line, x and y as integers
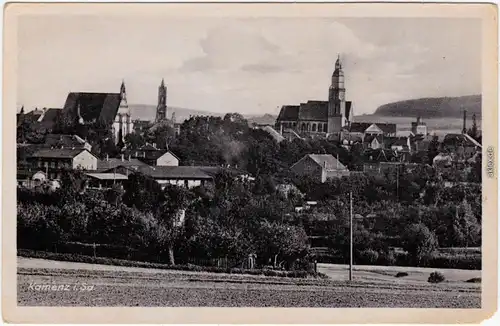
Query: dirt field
{"type": "Point", "coordinates": [416, 275]}
{"type": "Point", "coordinates": [46, 283]}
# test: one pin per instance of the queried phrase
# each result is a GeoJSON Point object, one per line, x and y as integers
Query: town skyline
{"type": "Point", "coordinates": [206, 69]}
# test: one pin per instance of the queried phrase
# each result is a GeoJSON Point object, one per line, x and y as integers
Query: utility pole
{"type": "Point", "coordinates": [351, 238]}
{"type": "Point", "coordinates": [397, 183]}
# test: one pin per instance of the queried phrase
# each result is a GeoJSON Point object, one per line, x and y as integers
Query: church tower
{"type": "Point", "coordinates": [123, 120]}
{"type": "Point", "coordinates": [161, 109]}
{"type": "Point", "coordinates": [336, 100]}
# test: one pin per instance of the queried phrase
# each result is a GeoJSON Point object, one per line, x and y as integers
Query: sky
{"type": "Point", "coordinates": [246, 65]}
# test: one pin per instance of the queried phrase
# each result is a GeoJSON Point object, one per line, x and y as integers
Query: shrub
{"type": "Point", "coordinates": [474, 280]}
{"type": "Point", "coordinates": [130, 263]}
{"type": "Point", "coordinates": [387, 258]}
{"type": "Point", "coordinates": [368, 256]}
{"type": "Point", "coordinates": [401, 274]}
{"type": "Point", "coordinates": [436, 277]}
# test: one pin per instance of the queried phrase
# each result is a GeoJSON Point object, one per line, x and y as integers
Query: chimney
{"type": "Point", "coordinates": [464, 130]}
{"type": "Point", "coordinates": [418, 120]}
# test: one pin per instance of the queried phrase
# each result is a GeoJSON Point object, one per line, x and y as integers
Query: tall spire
{"type": "Point", "coordinates": [338, 65]}
{"type": "Point", "coordinates": [162, 82]}
{"type": "Point", "coordinates": [123, 91]}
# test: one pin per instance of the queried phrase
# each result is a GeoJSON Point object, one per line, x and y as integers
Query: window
{"type": "Point", "coordinates": [313, 127]}
{"type": "Point", "coordinates": [320, 127]}
{"type": "Point", "coordinates": [325, 127]}
{"type": "Point", "coordinates": [53, 164]}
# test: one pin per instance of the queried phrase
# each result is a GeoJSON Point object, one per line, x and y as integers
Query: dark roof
{"type": "Point", "coordinates": [314, 110]}
{"type": "Point", "coordinates": [359, 126]}
{"type": "Point", "coordinates": [379, 155]}
{"type": "Point", "coordinates": [395, 141]}
{"type": "Point", "coordinates": [58, 153]}
{"type": "Point", "coordinates": [93, 106]}
{"type": "Point", "coordinates": [457, 140]}
{"type": "Point", "coordinates": [387, 128]}
{"type": "Point", "coordinates": [369, 138]}
{"type": "Point", "coordinates": [55, 140]}
{"type": "Point", "coordinates": [105, 165]}
{"type": "Point", "coordinates": [148, 152]}
{"type": "Point", "coordinates": [27, 173]}
{"type": "Point", "coordinates": [29, 117]}
{"type": "Point", "coordinates": [49, 118]}
{"type": "Point", "coordinates": [348, 107]}
{"type": "Point", "coordinates": [107, 176]}
{"type": "Point", "coordinates": [175, 172]}
{"type": "Point", "coordinates": [288, 112]}
{"type": "Point", "coordinates": [185, 172]}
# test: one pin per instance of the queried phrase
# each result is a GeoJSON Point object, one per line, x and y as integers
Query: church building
{"type": "Point", "coordinates": [322, 118]}
{"type": "Point", "coordinates": [109, 108]}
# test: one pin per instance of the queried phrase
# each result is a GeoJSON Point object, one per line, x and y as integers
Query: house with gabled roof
{"type": "Point", "coordinates": [152, 155]}
{"type": "Point", "coordinates": [320, 167]}
{"type": "Point", "coordinates": [52, 161]}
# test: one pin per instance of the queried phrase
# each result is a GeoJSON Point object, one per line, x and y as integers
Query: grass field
{"type": "Point", "coordinates": [100, 285]}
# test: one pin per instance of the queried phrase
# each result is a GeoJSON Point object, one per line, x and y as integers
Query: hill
{"type": "Point", "coordinates": [437, 107]}
{"type": "Point", "coordinates": [148, 112]}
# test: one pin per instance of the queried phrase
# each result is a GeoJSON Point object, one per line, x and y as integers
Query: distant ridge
{"type": "Point", "coordinates": [148, 112]}
{"type": "Point", "coordinates": [436, 107]}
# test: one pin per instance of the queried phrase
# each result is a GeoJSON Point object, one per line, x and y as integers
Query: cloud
{"type": "Point", "coordinates": [231, 48]}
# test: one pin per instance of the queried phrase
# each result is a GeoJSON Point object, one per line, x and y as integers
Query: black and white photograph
{"type": "Point", "coordinates": [317, 159]}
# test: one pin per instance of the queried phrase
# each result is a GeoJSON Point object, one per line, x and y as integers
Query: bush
{"type": "Point", "coordinates": [401, 274]}
{"type": "Point", "coordinates": [436, 277]}
{"type": "Point", "coordinates": [474, 280]}
{"type": "Point", "coordinates": [193, 268]}
{"type": "Point", "coordinates": [368, 256]}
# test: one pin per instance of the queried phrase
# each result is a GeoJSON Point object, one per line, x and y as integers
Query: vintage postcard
{"type": "Point", "coordinates": [250, 163]}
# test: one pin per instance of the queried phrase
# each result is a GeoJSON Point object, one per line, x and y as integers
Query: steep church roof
{"type": "Point", "coordinates": [289, 112]}
{"type": "Point", "coordinates": [93, 106]}
{"type": "Point", "coordinates": [314, 110]}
